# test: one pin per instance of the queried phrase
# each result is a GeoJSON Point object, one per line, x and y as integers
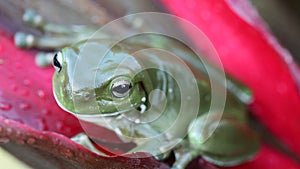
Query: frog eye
{"type": "Point", "coordinates": [121, 88]}
{"type": "Point", "coordinates": [57, 61]}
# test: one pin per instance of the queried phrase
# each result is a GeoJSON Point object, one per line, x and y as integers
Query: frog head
{"type": "Point", "coordinates": [96, 78]}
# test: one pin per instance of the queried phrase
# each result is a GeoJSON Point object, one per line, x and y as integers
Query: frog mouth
{"type": "Point", "coordinates": [106, 118]}
{"type": "Point", "coordinates": [133, 114]}
{"type": "Point", "coordinates": [112, 114]}
{"type": "Point", "coordinates": [135, 107]}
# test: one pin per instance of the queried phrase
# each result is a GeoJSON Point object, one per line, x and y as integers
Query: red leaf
{"type": "Point", "coordinates": [245, 51]}
{"type": "Point", "coordinates": [26, 92]}
{"type": "Point", "coordinates": [49, 150]}
{"type": "Point", "coordinates": [252, 55]}
{"type": "Point", "coordinates": [269, 158]}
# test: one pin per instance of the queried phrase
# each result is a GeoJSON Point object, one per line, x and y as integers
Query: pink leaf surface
{"type": "Point", "coordinates": [31, 123]}
{"type": "Point", "coordinates": [251, 54]}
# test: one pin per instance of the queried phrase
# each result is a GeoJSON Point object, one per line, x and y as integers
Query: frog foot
{"type": "Point", "coordinates": [184, 154]}
{"type": "Point", "coordinates": [85, 141]}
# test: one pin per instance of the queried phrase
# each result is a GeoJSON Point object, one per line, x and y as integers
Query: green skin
{"type": "Point", "coordinates": [84, 85]}
{"type": "Point", "coordinates": [232, 142]}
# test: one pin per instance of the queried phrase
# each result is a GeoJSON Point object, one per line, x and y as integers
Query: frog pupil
{"type": "Point", "coordinates": [56, 63]}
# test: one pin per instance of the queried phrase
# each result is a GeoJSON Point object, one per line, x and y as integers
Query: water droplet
{"type": "Point", "coordinates": [18, 65]}
{"type": "Point", "coordinates": [67, 152]}
{"type": "Point", "coordinates": [18, 133]}
{"type": "Point", "coordinates": [41, 94]}
{"type": "Point", "coordinates": [8, 131]}
{"type": "Point", "coordinates": [27, 82]}
{"type": "Point", "coordinates": [59, 125]}
{"type": "Point", "coordinates": [4, 140]}
{"type": "Point", "coordinates": [55, 140]}
{"type": "Point", "coordinates": [11, 75]}
{"type": "Point", "coordinates": [25, 93]}
{"type": "Point", "coordinates": [41, 124]}
{"type": "Point", "coordinates": [14, 87]}
{"type": "Point", "coordinates": [31, 141]}
{"type": "Point", "coordinates": [5, 106]}
{"type": "Point", "coordinates": [7, 122]}
{"type": "Point", "coordinates": [68, 129]}
{"type": "Point", "coordinates": [1, 62]}
{"type": "Point", "coordinates": [46, 112]}
{"type": "Point", "coordinates": [24, 106]}
{"type": "Point", "coordinates": [20, 142]}
{"type": "Point", "coordinates": [81, 155]}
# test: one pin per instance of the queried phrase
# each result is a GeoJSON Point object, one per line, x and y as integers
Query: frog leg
{"type": "Point", "coordinates": [183, 157]}
{"type": "Point", "coordinates": [223, 142]}
{"type": "Point", "coordinates": [43, 59]}
{"type": "Point", "coordinates": [35, 20]}
{"type": "Point", "coordinates": [55, 36]}
{"type": "Point", "coordinates": [24, 40]}
{"type": "Point", "coordinates": [151, 147]}
{"type": "Point", "coordinates": [149, 140]}
{"type": "Point", "coordinates": [84, 140]}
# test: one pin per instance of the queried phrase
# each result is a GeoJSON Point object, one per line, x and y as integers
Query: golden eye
{"type": "Point", "coordinates": [121, 88]}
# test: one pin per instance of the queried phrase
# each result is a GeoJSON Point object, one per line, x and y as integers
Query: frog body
{"type": "Point", "coordinates": [128, 115]}
{"type": "Point", "coordinates": [150, 90]}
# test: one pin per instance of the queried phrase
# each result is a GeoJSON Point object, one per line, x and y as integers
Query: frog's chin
{"type": "Point", "coordinates": [112, 114]}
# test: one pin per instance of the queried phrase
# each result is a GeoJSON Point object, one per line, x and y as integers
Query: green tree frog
{"type": "Point", "coordinates": [138, 94]}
